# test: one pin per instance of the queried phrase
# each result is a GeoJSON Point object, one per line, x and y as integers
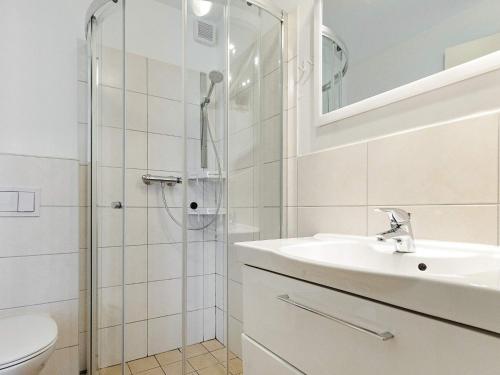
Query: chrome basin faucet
{"type": "Point", "coordinates": [401, 231]}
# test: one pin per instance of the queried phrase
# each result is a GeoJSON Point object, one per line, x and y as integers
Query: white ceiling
{"type": "Point", "coordinates": [371, 26]}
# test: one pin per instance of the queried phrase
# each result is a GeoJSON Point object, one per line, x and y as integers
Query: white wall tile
{"type": "Point", "coordinates": [240, 189]}
{"type": "Point", "coordinates": [137, 111]}
{"type": "Point", "coordinates": [109, 350]}
{"type": "Point", "coordinates": [209, 257]}
{"type": "Point", "coordinates": [272, 139]}
{"type": "Point", "coordinates": [271, 177]}
{"type": "Point", "coordinates": [241, 149]}
{"type": "Point", "coordinates": [164, 80]}
{"type": "Point", "coordinates": [195, 290]}
{"type": "Point", "coordinates": [333, 177]}
{"type": "Point", "coordinates": [164, 334]}
{"type": "Point", "coordinates": [339, 220]}
{"type": "Point", "coordinates": [137, 150]}
{"type": "Point", "coordinates": [195, 259]}
{"type": "Point", "coordinates": [136, 189]}
{"type": "Point", "coordinates": [136, 302]}
{"type": "Point", "coordinates": [82, 351]}
{"type": "Point", "coordinates": [164, 261]}
{"type": "Point", "coordinates": [136, 340]}
{"type": "Point", "coordinates": [110, 150]}
{"type": "Point", "coordinates": [235, 300]}
{"type": "Point", "coordinates": [110, 306]}
{"type": "Point", "coordinates": [112, 67]}
{"type": "Point", "coordinates": [111, 109]}
{"type": "Point", "coordinates": [209, 323]}
{"type": "Point", "coordinates": [161, 228]}
{"type": "Point", "coordinates": [270, 227]}
{"type": "Point", "coordinates": [209, 291]}
{"type": "Point", "coordinates": [270, 55]}
{"type": "Point", "coordinates": [235, 331]}
{"type": "Point", "coordinates": [219, 291]}
{"type": "Point", "coordinates": [452, 164]}
{"type": "Point", "coordinates": [164, 298]}
{"type": "Point", "coordinates": [38, 279]}
{"type": "Point", "coordinates": [82, 98]}
{"type": "Point", "coordinates": [54, 231]}
{"type": "Point", "coordinates": [220, 326]}
{"type": "Point", "coordinates": [165, 116]}
{"type": "Point", "coordinates": [271, 94]}
{"type": "Point", "coordinates": [194, 327]}
{"type": "Point", "coordinates": [165, 152]}
{"type": "Point", "coordinates": [51, 176]}
{"type": "Point", "coordinates": [136, 264]}
{"type": "Point", "coordinates": [136, 73]}
{"type": "Point", "coordinates": [62, 362]}
{"type": "Point", "coordinates": [241, 111]}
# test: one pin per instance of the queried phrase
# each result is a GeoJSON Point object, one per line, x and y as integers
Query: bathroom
{"type": "Point", "coordinates": [259, 187]}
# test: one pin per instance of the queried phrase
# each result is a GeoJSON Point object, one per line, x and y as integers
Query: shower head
{"type": "Point", "coordinates": [215, 77]}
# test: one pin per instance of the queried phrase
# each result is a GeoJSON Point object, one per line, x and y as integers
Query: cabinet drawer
{"type": "Point", "coordinates": [260, 361]}
{"type": "Point", "coordinates": [324, 332]}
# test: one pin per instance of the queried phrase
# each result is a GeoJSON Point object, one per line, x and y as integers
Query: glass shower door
{"type": "Point", "coordinates": [254, 147]}
{"type": "Point", "coordinates": [108, 195]}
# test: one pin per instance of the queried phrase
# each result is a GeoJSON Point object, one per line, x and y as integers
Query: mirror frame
{"type": "Point", "coordinates": [434, 81]}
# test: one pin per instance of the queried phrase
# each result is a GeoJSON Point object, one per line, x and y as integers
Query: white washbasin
{"type": "Point", "coordinates": [454, 281]}
{"type": "Point", "coordinates": [453, 262]}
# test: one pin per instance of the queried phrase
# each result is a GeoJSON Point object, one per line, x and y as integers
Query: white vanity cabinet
{"type": "Point", "coordinates": [320, 331]}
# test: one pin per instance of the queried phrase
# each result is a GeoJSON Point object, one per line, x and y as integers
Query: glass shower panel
{"type": "Point", "coordinates": [155, 124]}
{"type": "Point", "coordinates": [254, 146]}
{"type": "Point", "coordinates": [108, 173]}
{"type": "Point", "coordinates": [205, 79]}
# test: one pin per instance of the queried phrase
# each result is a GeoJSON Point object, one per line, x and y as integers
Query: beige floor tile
{"type": "Point", "coordinates": [221, 355]}
{"type": "Point", "coordinates": [195, 350]}
{"type": "Point", "coordinates": [235, 366]}
{"type": "Point", "coordinates": [143, 364]}
{"type": "Point", "coordinates": [202, 361]}
{"type": "Point", "coordinates": [213, 370]}
{"type": "Point", "coordinates": [167, 358]}
{"type": "Point", "coordinates": [212, 345]}
{"type": "Point", "coordinates": [155, 371]}
{"type": "Point", "coordinates": [114, 370]}
{"type": "Point", "coordinates": [176, 369]}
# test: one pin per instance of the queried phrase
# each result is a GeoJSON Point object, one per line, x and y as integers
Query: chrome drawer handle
{"type": "Point", "coordinates": [384, 336]}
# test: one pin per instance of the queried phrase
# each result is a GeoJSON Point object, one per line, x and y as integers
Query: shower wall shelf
{"type": "Point", "coordinates": [206, 175]}
{"type": "Point", "coordinates": [206, 211]}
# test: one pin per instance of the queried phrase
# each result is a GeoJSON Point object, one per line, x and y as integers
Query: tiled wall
{"type": "Point", "coordinates": [39, 255]}
{"type": "Point", "coordinates": [446, 176]}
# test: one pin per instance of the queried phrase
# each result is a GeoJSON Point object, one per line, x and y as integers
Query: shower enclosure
{"type": "Point", "coordinates": [186, 151]}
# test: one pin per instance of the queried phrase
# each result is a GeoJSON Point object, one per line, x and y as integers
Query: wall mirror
{"type": "Point", "coordinates": [370, 53]}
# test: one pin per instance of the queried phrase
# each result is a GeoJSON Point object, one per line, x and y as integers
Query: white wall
{"type": "Point", "coordinates": [38, 148]}
{"type": "Point", "coordinates": [38, 70]}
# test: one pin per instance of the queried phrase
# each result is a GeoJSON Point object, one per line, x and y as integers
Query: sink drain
{"type": "Point", "coordinates": [422, 266]}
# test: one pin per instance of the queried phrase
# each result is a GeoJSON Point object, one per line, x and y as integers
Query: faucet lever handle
{"type": "Point", "coordinates": [396, 215]}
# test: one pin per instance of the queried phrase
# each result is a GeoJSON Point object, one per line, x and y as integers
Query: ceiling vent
{"type": "Point", "coordinates": [205, 32]}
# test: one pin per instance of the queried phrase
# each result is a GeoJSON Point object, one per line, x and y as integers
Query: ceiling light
{"type": "Point", "coordinates": [201, 7]}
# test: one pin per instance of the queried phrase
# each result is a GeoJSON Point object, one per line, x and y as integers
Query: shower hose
{"type": "Point", "coordinates": [219, 168]}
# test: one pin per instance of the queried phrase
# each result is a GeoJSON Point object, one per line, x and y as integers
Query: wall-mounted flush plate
{"type": "Point", "coordinates": [17, 201]}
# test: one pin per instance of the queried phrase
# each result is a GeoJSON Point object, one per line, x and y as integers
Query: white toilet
{"type": "Point", "coordinates": [26, 343]}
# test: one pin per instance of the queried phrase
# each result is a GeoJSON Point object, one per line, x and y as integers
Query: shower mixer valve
{"type": "Point", "coordinates": [148, 179]}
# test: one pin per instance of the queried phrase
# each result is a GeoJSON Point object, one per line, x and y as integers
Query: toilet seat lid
{"type": "Point", "coordinates": [25, 335]}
